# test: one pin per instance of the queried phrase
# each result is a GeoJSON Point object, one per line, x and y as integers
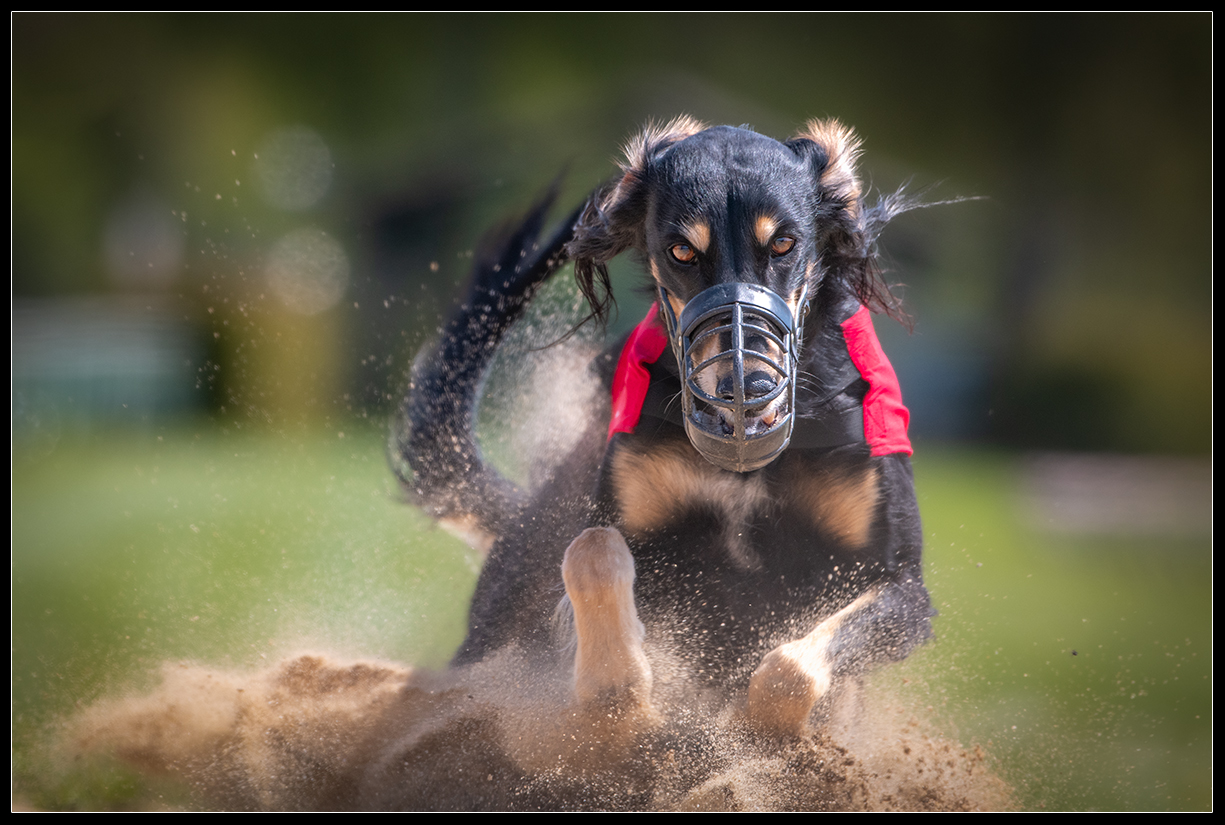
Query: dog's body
{"type": "Point", "coordinates": [784, 578]}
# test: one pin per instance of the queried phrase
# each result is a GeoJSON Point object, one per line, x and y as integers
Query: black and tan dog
{"type": "Point", "coordinates": [743, 501]}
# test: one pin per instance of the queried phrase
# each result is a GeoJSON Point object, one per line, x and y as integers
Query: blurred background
{"type": "Point", "coordinates": [232, 233]}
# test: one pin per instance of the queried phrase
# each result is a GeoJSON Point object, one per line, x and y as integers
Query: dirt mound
{"type": "Point", "coordinates": [313, 733]}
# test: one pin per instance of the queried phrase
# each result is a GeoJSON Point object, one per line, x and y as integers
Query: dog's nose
{"type": "Point", "coordinates": [756, 385]}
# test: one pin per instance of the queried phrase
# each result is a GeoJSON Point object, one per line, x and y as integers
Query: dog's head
{"type": "Point", "coordinates": [739, 232]}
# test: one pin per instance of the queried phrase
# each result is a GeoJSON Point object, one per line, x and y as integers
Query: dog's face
{"type": "Point", "coordinates": [729, 206]}
{"type": "Point", "coordinates": [722, 206]}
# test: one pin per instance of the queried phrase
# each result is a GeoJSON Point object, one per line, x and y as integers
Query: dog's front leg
{"type": "Point", "coordinates": [793, 677]}
{"type": "Point", "coordinates": [884, 624]}
{"type": "Point", "coordinates": [609, 709]}
{"type": "Point", "coordinates": [610, 665]}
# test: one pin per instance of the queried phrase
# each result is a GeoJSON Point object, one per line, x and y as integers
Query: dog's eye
{"type": "Point", "coordinates": [684, 253]}
{"type": "Point", "coordinates": [782, 245]}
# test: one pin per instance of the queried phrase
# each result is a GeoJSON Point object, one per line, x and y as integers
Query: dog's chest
{"type": "Point", "coordinates": [779, 517]}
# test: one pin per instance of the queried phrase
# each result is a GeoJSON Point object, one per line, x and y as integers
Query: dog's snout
{"type": "Point", "coordinates": [734, 343]}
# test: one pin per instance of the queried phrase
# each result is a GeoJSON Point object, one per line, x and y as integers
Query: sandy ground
{"type": "Point", "coordinates": [313, 733]}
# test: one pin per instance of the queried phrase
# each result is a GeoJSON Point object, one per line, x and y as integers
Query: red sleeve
{"type": "Point", "coordinates": [885, 418]}
{"type": "Point", "coordinates": [646, 343]}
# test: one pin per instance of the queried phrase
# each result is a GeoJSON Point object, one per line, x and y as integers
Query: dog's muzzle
{"type": "Point", "coordinates": [736, 346]}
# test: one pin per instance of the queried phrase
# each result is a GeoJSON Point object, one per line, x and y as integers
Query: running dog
{"type": "Point", "coordinates": [743, 497]}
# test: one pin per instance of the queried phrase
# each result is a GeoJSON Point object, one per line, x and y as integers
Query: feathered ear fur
{"type": "Point", "coordinates": [850, 247]}
{"type": "Point", "coordinates": [836, 151]}
{"type": "Point", "coordinates": [612, 221]}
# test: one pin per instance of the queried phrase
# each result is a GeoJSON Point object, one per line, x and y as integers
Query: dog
{"type": "Point", "coordinates": [742, 497]}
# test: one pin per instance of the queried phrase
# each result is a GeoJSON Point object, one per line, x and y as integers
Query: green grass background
{"type": "Point", "coordinates": [1082, 666]}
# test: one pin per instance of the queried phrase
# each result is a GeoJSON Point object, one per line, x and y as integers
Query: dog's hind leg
{"type": "Point", "coordinates": [610, 665]}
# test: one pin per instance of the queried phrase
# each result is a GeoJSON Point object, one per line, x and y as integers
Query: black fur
{"type": "Point", "coordinates": [724, 579]}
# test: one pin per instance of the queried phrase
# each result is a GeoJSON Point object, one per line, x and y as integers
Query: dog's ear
{"type": "Point", "coordinates": [832, 150]}
{"type": "Point", "coordinates": [612, 222]}
{"type": "Point", "coordinates": [644, 147]}
{"type": "Point", "coordinates": [850, 234]}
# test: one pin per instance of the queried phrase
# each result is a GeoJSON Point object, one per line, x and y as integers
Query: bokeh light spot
{"type": "Point", "coordinates": [308, 270]}
{"type": "Point", "coordinates": [294, 167]}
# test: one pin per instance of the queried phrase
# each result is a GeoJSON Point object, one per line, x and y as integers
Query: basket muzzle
{"type": "Point", "coordinates": [737, 348]}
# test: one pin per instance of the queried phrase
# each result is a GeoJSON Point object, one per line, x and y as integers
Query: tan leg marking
{"type": "Point", "coordinates": [793, 677]}
{"type": "Point", "coordinates": [599, 574]}
{"type": "Point", "coordinates": [603, 720]}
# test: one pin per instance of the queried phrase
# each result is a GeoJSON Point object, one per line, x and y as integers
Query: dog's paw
{"type": "Point", "coordinates": [788, 683]}
{"type": "Point", "coordinates": [609, 661]}
{"type": "Point", "coordinates": [793, 677]}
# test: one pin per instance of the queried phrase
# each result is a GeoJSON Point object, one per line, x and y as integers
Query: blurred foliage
{"type": "Point", "coordinates": [1070, 308]}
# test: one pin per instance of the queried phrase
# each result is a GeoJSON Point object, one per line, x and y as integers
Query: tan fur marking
{"type": "Point", "coordinates": [842, 506]}
{"type": "Point", "coordinates": [802, 293]}
{"type": "Point", "coordinates": [842, 147]}
{"type": "Point", "coordinates": [707, 348]}
{"type": "Point", "coordinates": [654, 488]}
{"type": "Point", "coordinates": [710, 346]}
{"type": "Point", "coordinates": [611, 704]}
{"type": "Point", "coordinates": [764, 229]}
{"type": "Point", "coordinates": [678, 306]}
{"type": "Point", "coordinates": [794, 676]}
{"type": "Point", "coordinates": [698, 234]}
